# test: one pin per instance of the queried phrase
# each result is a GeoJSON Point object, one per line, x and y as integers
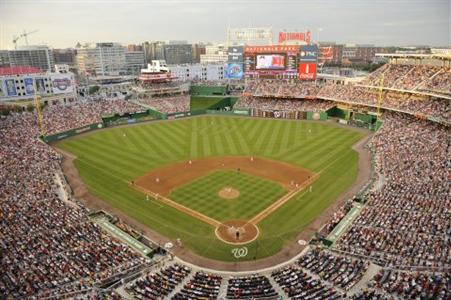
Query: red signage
{"type": "Point", "coordinates": [326, 53]}
{"type": "Point", "coordinates": [294, 36]}
{"type": "Point", "coordinates": [271, 49]}
{"type": "Point", "coordinates": [307, 71]}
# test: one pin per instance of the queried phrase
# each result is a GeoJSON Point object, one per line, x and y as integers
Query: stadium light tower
{"type": "Point", "coordinates": [318, 30]}
{"type": "Point", "coordinates": [380, 95]}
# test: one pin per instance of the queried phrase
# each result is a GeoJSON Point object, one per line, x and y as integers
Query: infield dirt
{"type": "Point", "coordinates": [163, 180]}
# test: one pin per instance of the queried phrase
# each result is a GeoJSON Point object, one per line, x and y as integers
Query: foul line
{"type": "Point", "coordinates": [215, 223]}
{"type": "Point", "coordinates": [284, 199]}
{"type": "Point", "coordinates": [178, 206]}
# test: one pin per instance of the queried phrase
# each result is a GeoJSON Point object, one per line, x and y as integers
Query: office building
{"type": "Point", "coordinates": [34, 56]}
{"type": "Point", "coordinates": [101, 59]}
{"type": "Point", "coordinates": [176, 54]}
{"type": "Point", "coordinates": [215, 53]}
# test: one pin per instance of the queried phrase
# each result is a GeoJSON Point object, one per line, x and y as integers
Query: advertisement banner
{"type": "Point", "coordinates": [271, 49]}
{"type": "Point", "coordinates": [10, 87]}
{"type": "Point", "coordinates": [234, 71]}
{"type": "Point", "coordinates": [326, 53]}
{"type": "Point", "coordinates": [40, 86]}
{"type": "Point", "coordinates": [235, 54]}
{"type": "Point", "coordinates": [62, 83]}
{"type": "Point", "coordinates": [307, 71]}
{"type": "Point", "coordinates": [29, 89]}
{"type": "Point", "coordinates": [308, 53]}
{"type": "Point", "coordinates": [2, 90]}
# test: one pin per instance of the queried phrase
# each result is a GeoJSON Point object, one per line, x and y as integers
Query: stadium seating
{"type": "Point", "coordinates": [47, 246]}
{"type": "Point", "coordinates": [412, 78]}
{"type": "Point", "coordinates": [341, 271]}
{"type": "Point", "coordinates": [201, 286]}
{"type": "Point", "coordinates": [158, 285]}
{"type": "Point", "coordinates": [405, 221]}
{"type": "Point", "coordinates": [58, 118]}
{"type": "Point", "coordinates": [250, 287]}
{"type": "Point", "coordinates": [50, 248]}
{"type": "Point", "coordinates": [413, 285]}
{"type": "Point", "coordinates": [271, 104]}
{"type": "Point", "coordinates": [171, 104]}
{"type": "Point", "coordinates": [299, 285]}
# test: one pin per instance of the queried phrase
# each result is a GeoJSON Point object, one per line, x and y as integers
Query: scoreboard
{"type": "Point", "coordinates": [280, 61]}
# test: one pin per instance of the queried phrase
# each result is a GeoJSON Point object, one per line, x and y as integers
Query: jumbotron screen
{"type": "Point", "coordinates": [270, 62]}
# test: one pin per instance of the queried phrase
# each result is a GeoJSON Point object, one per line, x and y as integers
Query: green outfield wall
{"type": "Point", "coordinates": [208, 90]}
{"type": "Point", "coordinates": [72, 132]}
{"type": "Point", "coordinates": [212, 102]}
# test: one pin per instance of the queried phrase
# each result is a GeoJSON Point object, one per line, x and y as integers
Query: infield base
{"type": "Point", "coordinates": [237, 232]}
{"type": "Point", "coordinates": [228, 193]}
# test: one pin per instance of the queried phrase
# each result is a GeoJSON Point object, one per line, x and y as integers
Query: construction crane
{"type": "Point", "coordinates": [23, 35]}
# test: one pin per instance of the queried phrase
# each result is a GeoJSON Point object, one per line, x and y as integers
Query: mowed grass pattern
{"type": "Point", "coordinates": [109, 159]}
{"type": "Point", "coordinates": [202, 195]}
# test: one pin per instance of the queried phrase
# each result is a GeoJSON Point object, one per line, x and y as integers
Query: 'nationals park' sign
{"type": "Point", "coordinates": [285, 37]}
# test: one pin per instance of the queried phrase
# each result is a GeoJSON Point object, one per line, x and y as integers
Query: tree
{"type": "Point", "coordinates": [93, 89]}
{"type": "Point", "coordinates": [30, 107]}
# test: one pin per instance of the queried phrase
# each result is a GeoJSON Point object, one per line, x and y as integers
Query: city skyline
{"type": "Point", "coordinates": [61, 24]}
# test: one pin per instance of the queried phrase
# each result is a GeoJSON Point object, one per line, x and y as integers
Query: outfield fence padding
{"type": "Point", "coordinates": [72, 132]}
{"type": "Point", "coordinates": [240, 112]}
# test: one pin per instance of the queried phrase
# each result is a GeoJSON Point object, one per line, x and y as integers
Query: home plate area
{"type": "Point", "coordinates": [232, 194]}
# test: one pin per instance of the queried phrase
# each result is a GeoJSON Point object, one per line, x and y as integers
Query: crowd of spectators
{"type": "Point", "coordinates": [374, 78]}
{"type": "Point", "coordinates": [408, 102]}
{"type": "Point", "coordinates": [272, 104]}
{"type": "Point", "coordinates": [341, 271]}
{"type": "Point", "coordinates": [164, 89]}
{"type": "Point", "coordinates": [59, 118]}
{"type": "Point", "coordinates": [412, 77]}
{"type": "Point", "coordinates": [281, 89]}
{"type": "Point", "coordinates": [416, 76]}
{"type": "Point", "coordinates": [370, 294]}
{"type": "Point", "coordinates": [250, 287]}
{"type": "Point", "coordinates": [168, 105]}
{"type": "Point", "coordinates": [47, 246]}
{"type": "Point", "coordinates": [201, 286]}
{"type": "Point", "coordinates": [405, 223]}
{"type": "Point", "coordinates": [413, 285]}
{"type": "Point", "coordinates": [158, 285]}
{"type": "Point", "coordinates": [336, 218]}
{"type": "Point", "coordinates": [399, 76]}
{"type": "Point", "coordinates": [299, 285]}
{"type": "Point", "coordinates": [439, 83]}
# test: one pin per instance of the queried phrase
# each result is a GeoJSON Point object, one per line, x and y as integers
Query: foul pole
{"type": "Point", "coordinates": [37, 106]}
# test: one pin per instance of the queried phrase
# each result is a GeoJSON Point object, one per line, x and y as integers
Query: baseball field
{"type": "Point", "coordinates": [218, 183]}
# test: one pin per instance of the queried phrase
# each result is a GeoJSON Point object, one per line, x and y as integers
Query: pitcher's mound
{"type": "Point", "coordinates": [228, 193]}
{"type": "Point", "coordinates": [237, 232]}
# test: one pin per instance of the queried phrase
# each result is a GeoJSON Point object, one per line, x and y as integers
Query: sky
{"type": "Point", "coordinates": [63, 23]}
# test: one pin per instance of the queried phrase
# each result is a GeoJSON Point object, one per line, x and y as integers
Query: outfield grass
{"type": "Point", "coordinates": [202, 195]}
{"type": "Point", "coordinates": [107, 160]}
